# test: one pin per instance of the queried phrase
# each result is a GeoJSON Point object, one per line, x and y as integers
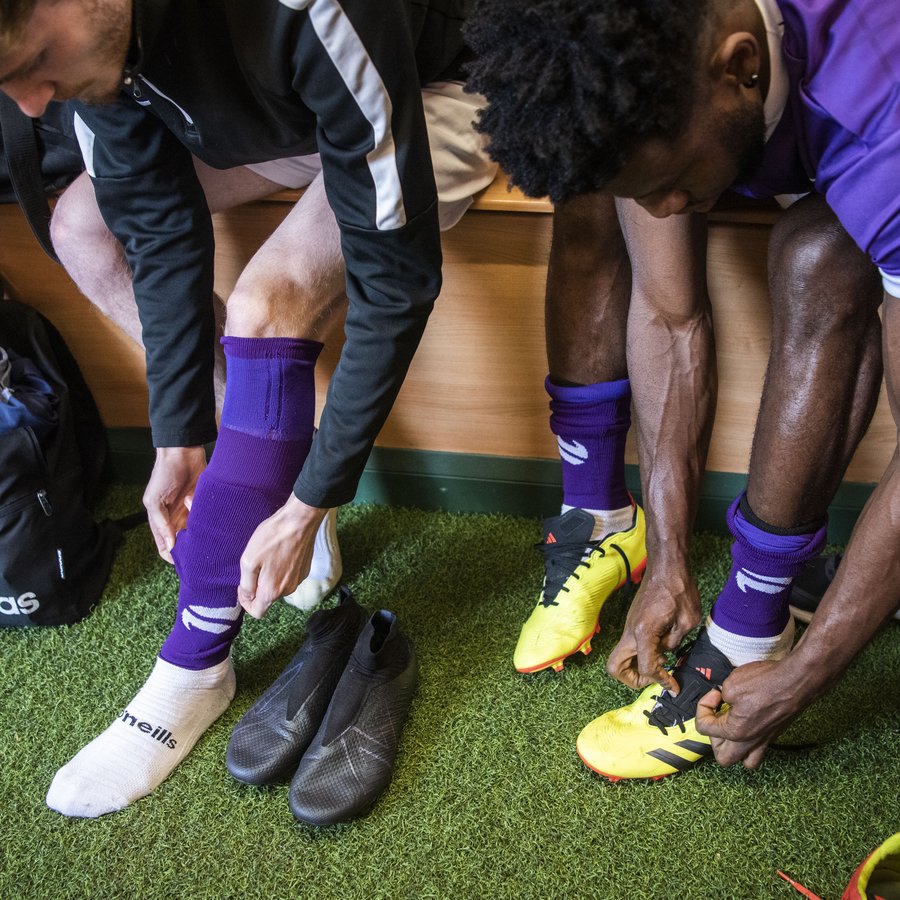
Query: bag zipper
{"type": "Point", "coordinates": [44, 500]}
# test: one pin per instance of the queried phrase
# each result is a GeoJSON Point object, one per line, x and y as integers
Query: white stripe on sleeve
{"type": "Point", "coordinates": [358, 72]}
{"type": "Point", "coordinates": [86, 143]}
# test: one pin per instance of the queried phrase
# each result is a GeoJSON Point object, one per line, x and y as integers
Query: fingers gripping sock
{"type": "Point", "coordinates": [265, 435]}
{"type": "Point", "coordinates": [145, 744]}
{"type": "Point", "coordinates": [750, 618]}
{"type": "Point", "coordinates": [591, 424]}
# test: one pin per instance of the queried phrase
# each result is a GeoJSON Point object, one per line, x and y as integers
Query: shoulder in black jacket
{"type": "Point", "coordinates": [233, 83]}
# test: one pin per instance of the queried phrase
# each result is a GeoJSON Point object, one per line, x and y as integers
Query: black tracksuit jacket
{"type": "Point", "coordinates": [245, 81]}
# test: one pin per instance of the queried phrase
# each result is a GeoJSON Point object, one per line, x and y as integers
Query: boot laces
{"type": "Point", "coordinates": [562, 559]}
{"type": "Point", "coordinates": [672, 710]}
{"type": "Point", "coordinates": [667, 713]}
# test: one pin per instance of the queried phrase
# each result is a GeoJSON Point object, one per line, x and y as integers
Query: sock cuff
{"type": "Point", "coordinates": [177, 677]}
{"type": "Point", "coordinates": [792, 558]}
{"type": "Point", "coordinates": [270, 386]}
{"type": "Point", "coordinates": [600, 392]}
{"type": "Point", "coordinates": [272, 348]}
{"type": "Point", "coordinates": [578, 411]}
{"type": "Point", "coordinates": [753, 519]}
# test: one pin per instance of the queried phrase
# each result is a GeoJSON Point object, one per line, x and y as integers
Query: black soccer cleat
{"type": "Point", "coordinates": [268, 741]}
{"type": "Point", "coordinates": [351, 760]}
{"type": "Point", "coordinates": [810, 585]}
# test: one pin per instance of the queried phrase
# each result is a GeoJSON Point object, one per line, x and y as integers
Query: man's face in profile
{"type": "Point", "coordinates": [716, 150]}
{"type": "Point", "coordinates": [69, 49]}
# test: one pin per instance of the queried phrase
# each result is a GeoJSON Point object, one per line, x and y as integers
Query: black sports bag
{"type": "Point", "coordinates": [54, 556]}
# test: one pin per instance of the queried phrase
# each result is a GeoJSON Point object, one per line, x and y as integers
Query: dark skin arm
{"type": "Point", "coordinates": [765, 697]}
{"type": "Point", "coordinates": [672, 367]}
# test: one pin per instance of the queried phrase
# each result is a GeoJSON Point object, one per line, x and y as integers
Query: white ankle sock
{"type": "Point", "coordinates": [145, 744]}
{"type": "Point", "coordinates": [607, 521]}
{"type": "Point", "coordinates": [326, 567]}
{"type": "Point", "coordinates": [741, 650]}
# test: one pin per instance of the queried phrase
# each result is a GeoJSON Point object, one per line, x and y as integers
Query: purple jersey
{"type": "Point", "coordinates": [840, 131]}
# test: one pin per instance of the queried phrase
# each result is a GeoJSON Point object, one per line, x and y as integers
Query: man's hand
{"type": "Point", "coordinates": [762, 698]}
{"type": "Point", "coordinates": [663, 612]}
{"type": "Point", "coordinates": [278, 555]}
{"type": "Point", "coordinates": [170, 491]}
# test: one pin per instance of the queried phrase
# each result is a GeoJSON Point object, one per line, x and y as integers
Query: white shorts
{"type": "Point", "coordinates": [461, 165]}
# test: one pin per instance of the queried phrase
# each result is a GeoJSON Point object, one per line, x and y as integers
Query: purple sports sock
{"type": "Point", "coordinates": [591, 424]}
{"type": "Point", "coordinates": [754, 601]}
{"type": "Point", "coordinates": [265, 435]}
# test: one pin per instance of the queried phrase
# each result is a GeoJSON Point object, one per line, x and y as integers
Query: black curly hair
{"type": "Point", "coordinates": [573, 85]}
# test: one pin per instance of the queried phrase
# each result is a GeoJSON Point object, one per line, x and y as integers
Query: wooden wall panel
{"type": "Point", "coordinates": [476, 384]}
{"type": "Point", "coordinates": [112, 364]}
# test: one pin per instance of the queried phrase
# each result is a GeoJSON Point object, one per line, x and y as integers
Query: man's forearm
{"type": "Point", "coordinates": [864, 594]}
{"type": "Point", "coordinates": [672, 367]}
{"type": "Point", "coordinates": [385, 320]}
{"type": "Point", "coordinates": [674, 389]}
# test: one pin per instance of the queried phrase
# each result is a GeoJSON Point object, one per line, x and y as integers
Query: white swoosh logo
{"type": "Point", "coordinates": [572, 452]}
{"type": "Point", "coordinates": [766, 584]}
{"type": "Point", "coordinates": [190, 617]}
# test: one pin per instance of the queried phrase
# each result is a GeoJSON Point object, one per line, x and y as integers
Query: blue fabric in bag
{"type": "Point", "coordinates": [26, 398]}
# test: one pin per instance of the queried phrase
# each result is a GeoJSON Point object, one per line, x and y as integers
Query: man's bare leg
{"type": "Point", "coordinates": [96, 261]}
{"type": "Point", "coordinates": [825, 368]}
{"type": "Point", "coordinates": [586, 314]}
{"type": "Point", "coordinates": [819, 396]}
{"type": "Point", "coordinates": [588, 292]}
{"type": "Point", "coordinates": [258, 455]}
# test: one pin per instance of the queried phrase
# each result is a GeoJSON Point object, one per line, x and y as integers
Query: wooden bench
{"type": "Point", "coordinates": [476, 384]}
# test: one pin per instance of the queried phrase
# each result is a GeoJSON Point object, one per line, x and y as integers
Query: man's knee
{"type": "Point", "coordinates": [76, 223]}
{"type": "Point", "coordinates": [818, 277]}
{"type": "Point", "coordinates": [280, 305]}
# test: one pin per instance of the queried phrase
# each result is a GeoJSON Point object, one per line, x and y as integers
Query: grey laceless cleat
{"type": "Point", "coordinates": [268, 741]}
{"type": "Point", "coordinates": [351, 760]}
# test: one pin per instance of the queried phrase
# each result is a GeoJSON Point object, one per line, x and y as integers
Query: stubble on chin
{"type": "Point", "coordinates": [100, 97]}
{"type": "Point", "coordinates": [112, 38]}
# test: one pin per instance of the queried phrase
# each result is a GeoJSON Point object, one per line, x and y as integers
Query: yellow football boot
{"type": "Point", "coordinates": [580, 576]}
{"type": "Point", "coordinates": [878, 875]}
{"type": "Point", "coordinates": [656, 735]}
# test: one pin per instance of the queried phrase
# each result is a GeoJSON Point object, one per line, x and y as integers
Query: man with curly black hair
{"type": "Point", "coordinates": [670, 105]}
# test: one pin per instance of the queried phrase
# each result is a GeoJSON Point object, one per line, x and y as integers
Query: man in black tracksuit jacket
{"type": "Point", "coordinates": [239, 83]}
{"type": "Point", "coordinates": [160, 84]}
{"type": "Point", "coordinates": [236, 83]}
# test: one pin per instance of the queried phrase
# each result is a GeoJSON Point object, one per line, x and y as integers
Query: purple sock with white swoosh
{"type": "Point", "coordinates": [264, 437]}
{"type": "Point", "coordinates": [751, 613]}
{"type": "Point", "coordinates": [591, 424]}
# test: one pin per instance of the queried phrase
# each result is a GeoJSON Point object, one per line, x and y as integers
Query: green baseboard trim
{"type": "Point", "coordinates": [459, 482]}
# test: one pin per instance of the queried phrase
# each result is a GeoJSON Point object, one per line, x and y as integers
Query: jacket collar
{"type": "Point", "coordinates": [147, 20]}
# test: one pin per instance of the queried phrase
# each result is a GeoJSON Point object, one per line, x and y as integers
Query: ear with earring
{"type": "Point", "coordinates": [752, 81]}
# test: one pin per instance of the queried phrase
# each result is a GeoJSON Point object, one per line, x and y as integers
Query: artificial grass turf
{"type": "Point", "coordinates": [489, 797]}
